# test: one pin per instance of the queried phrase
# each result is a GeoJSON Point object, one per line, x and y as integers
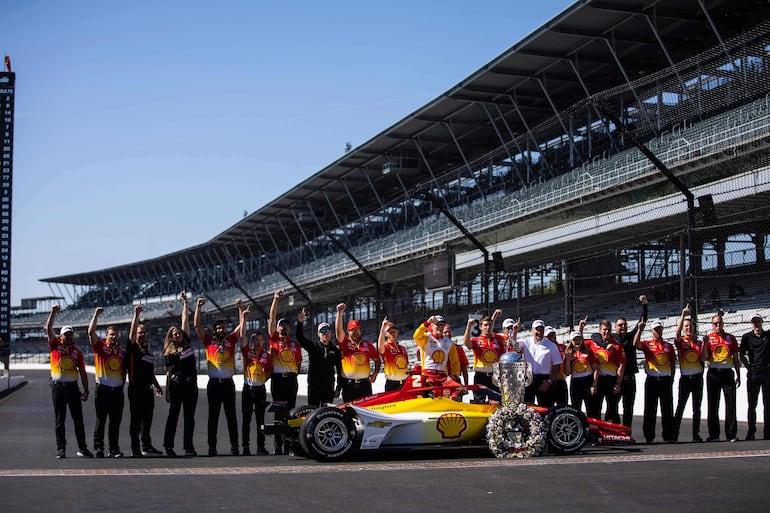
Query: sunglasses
{"type": "Point", "coordinates": [324, 331]}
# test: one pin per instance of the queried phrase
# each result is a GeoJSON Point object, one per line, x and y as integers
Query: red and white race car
{"type": "Point", "coordinates": [428, 417]}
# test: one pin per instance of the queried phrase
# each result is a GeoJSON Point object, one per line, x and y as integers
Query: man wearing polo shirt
{"type": "Point", "coordinates": [545, 360]}
{"type": "Point", "coordinates": [109, 364]}
{"type": "Point", "coordinates": [394, 356]}
{"type": "Point", "coordinates": [487, 348]}
{"type": "Point", "coordinates": [689, 350]}
{"type": "Point", "coordinates": [257, 368]}
{"type": "Point", "coordinates": [220, 390]}
{"type": "Point", "coordinates": [287, 358]}
{"type": "Point", "coordinates": [438, 353]}
{"type": "Point", "coordinates": [755, 354]}
{"type": "Point", "coordinates": [66, 364]}
{"type": "Point", "coordinates": [356, 354]}
{"type": "Point", "coordinates": [659, 358]}
{"type": "Point", "coordinates": [721, 351]}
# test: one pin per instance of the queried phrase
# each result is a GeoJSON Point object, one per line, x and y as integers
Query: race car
{"type": "Point", "coordinates": [424, 417]}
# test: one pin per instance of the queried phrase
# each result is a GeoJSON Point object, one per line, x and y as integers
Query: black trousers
{"type": "Point", "coordinates": [253, 403]}
{"type": "Point", "coordinates": [605, 392]}
{"type": "Point", "coordinates": [67, 395]}
{"type": "Point", "coordinates": [353, 389]}
{"type": "Point", "coordinates": [759, 380]}
{"type": "Point", "coordinates": [531, 392]}
{"type": "Point", "coordinates": [658, 390]}
{"type": "Point", "coordinates": [221, 394]}
{"type": "Point", "coordinates": [141, 405]}
{"type": "Point", "coordinates": [628, 397]}
{"type": "Point", "coordinates": [483, 378]}
{"type": "Point", "coordinates": [580, 392]}
{"type": "Point", "coordinates": [718, 382]}
{"type": "Point", "coordinates": [283, 388]}
{"type": "Point", "coordinates": [320, 390]}
{"type": "Point", "coordinates": [391, 385]}
{"type": "Point", "coordinates": [689, 385]}
{"type": "Point", "coordinates": [559, 391]}
{"type": "Point", "coordinates": [183, 392]}
{"type": "Point", "coordinates": [109, 404]}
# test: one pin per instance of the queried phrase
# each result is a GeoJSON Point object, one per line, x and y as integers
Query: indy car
{"type": "Point", "coordinates": [427, 417]}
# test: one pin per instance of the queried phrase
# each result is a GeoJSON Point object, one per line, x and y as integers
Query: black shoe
{"type": "Point", "coordinates": [190, 453]}
{"type": "Point", "coordinates": [170, 452]}
{"type": "Point", "coordinates": [650, 441]}
{"type": "Point", "coordinates": [278, 451]}
{"type": "Point", "coordinates": [246, 451]}
{"type": "Point", "coordinates": [233, 451]}
{"type": "Point", "coordinates": [697, 439]}
{"type": "Point", "coordinates": [85, 453]}
{"type": "Point", "coordinates": [100, 453]}
{"type": "Point", "coordinates": [734, 439]}
{"type": "Point", "coordinates": [262, 452]}
{"type": "Point", "coordinates": [115, 454]}
{"type": "Point", "coordinates": [750, 436]}
{"type": "Point", "coordinates": [151, 451]}
{"type": "Point", "coordinates": [60, 454]}
{"type": "Point", "coordinates": [212, 451]}
{"type": "Point", "coordinates": [712, 439]}
{"type": "Point", "coordinates": [137, 454]}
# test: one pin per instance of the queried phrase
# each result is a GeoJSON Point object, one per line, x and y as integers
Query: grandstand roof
{"type": "Point", "coordinates": [590, 47]}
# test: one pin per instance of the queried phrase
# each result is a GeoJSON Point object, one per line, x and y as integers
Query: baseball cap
{"type": "Point", "coordinates": [549, 330]}
{"type": "Point", "coordinates": [391, 326]}
{"type": "Point", "coordinates": [283, 320]}
{"type": "Point", "coordinates": [657, 324]}
{"type": "Point", "coordinates": [756, 316]}
{"type": "Point", "coordinates": [324, 325]}
{"type": "Point", "coordinates": [574, 335]}
{"type": "Point", "coordinates": [353, 324]}
{"type": "Point", "coordinates": [65, 330]}
{"type": "Point", "coordinates": [508, 323]}
{"type": "Point", "coordinates": [438, 319]}
{"type": "Point", "coordinates": [538, 324]}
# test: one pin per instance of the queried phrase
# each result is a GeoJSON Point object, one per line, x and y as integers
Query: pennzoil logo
{"type": "Point", "coordinates": [451, 425]}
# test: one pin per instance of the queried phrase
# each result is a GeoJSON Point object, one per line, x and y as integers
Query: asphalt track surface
{"type": "Point", "coordinates": [683, 477]}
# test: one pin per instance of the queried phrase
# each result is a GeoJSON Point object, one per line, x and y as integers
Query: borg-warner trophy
{"type": "Point", "coordinates": [513, 375]}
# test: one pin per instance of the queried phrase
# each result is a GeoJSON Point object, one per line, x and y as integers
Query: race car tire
{"type": "Point", "coordinates": [293, 441]}
{"type": "Point", "coordinates": [566, 429]}
{"type": "Point", "coordinates": [329, 433]}
{"type": "Point", "coordinates": [301, 411]}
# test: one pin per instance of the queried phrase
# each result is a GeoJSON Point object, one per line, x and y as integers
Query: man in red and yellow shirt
{"type": "Point", "coordinates": [611, 361]}
{"type": "Point", "coordinates": [659, 365]}
{"type": "Point", "coordinates": [722, 353]}
{"type": "Point", "coordinates": [394, 356]}
{"type": "Point", "coordinates": [110, 368]}
{"type": "Point", "coordinates": [257, 368]}
{"type": "Point", "coordinates": [689, 350]}
{"type": "Point", "coordinates": [67, 363]}
{"type": "Point", "coordinates": [356, 354]}
{"type": "Point", "coordinates": [487, 349]}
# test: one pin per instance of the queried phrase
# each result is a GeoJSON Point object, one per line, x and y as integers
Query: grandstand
{"type": "Point", "coordinates": [527, 154]}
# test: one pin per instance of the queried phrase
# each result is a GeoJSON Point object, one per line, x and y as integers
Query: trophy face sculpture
{"type": "Point", "coordinates": [514, 375]}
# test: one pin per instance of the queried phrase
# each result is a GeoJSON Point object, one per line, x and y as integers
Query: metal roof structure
{"type": "Point", "coordinates": [590, 47]}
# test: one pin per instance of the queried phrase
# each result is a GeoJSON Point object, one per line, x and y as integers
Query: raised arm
{"type": "Point", "coordinates": [185, 314]}
{"type": "Point", "coordinates": [272, 320]}
{"type": "Point", "coordinates": [497, 313]}
{"type": "Point", "coordinates": [243, 314]}
{"type": "Point", "coordinates": [339, 330]}
{"type": "Point", "coordinates": [467, 335]}
{"type": "Point", "coordinates": [680, 322]}
{"type": "Point", "coordinates": [642, 317]}
{"type": "Point", "coordinates": [300, 331]}
{"type": "Point", "coordinates": [49, 323]}
{"type": "Point", "coordinates": [93, 338]}
{"type": "Point", "coordinates": [381, 336]}
{"type": "Point", "coordinates": [638, 335]}
{"type": "Point", "coordinates": [197, 319]}
{"type": "Point", "coordinates": [134, 324]}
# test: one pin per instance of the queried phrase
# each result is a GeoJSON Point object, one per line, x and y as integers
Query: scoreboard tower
{"type": "Point", "coordinates": [7, 93]}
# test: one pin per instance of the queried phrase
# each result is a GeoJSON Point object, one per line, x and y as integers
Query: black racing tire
{"type": "Point", "coordinates": [329, 433]}
{"type": "Point", "coordinates": [301, 411]}
{"type": "Point", "coordinates": [293, 441]}
{"type": "Point", "coordinates": [566, 429]}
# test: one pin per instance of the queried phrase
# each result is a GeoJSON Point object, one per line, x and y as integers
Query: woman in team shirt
{"type": "Point", "coordinates": [580, 364]}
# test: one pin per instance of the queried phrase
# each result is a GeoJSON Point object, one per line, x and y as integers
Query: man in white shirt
{"type": "Point", "coordinates": [545, 359]}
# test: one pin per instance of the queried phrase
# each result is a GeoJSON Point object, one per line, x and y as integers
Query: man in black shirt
{"type": "Point", "coordinates": [324, 362]}
{"type": "Point", "coordinates": [755, 355]}
{"type": "Point", "coordinates": [626, 339]}
{"type": "Point", "coordinates": [141, 382]}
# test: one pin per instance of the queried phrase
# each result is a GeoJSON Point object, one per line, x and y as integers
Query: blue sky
{"type": "Point", "coordinates": [143, 128]}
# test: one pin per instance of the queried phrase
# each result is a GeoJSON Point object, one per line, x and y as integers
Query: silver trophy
{"type": "Point", "coordinates": [513, 375]}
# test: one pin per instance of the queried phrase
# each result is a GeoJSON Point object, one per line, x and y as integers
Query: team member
{"type": "Point", "coordinates": [66, 364]}
{"type": "Point", "coordinates": [323, 362]}
{"type": "Point", "coordinates": [659, 365]}
{"type": "Point", "coordinates": [356, 355]}
{"type": "Point", "coordinates": [545, 360]}
{"type": "Point", "coordinates": [438, 354]}
{"type": "Point", "coordinates": [611, 361]}
{"type": "Point", "coordinates": [755, 354]}
{"type": "Point", "coordinates": [257, 368]}
{"type": "Point", "coordinates": [141, 383]}
{"type": "Point", "coordinates": [559, 385]}
{"type": "Point", "coordinates": [461, 357]}
{"type": "Point", "coordinates": [394, 356]}
{"type": "Point", "coordinates": [626, 339]}
{"type": "Point", "coordinates": [487, 349]}
{"type": "Point", "coordinates": [110, 365]}
{"type": "Point", "coordinates": [580, 364]}
{"type": "Point", "coordinates": [287, 358]}
{"type": "Point", "coordinates": [721, 350]}
{"type": "Point", "coordinates": [181, 383]}
{"type": "Point", "coordinates": [689, 350]}
{"type": "Point", "coordinates": [220, 356]}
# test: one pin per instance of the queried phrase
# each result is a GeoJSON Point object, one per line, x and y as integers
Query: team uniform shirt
{"type": "Point", "coordinates": [608, 357]}
{"type": "Point", "coordinates": [462, 358]}
{"type": "Point", "coordinates": [182, 363]}
{"type": "Point", "coordinates": [658, 357]}
{"type": "Point", "coordinates": [487, 351]}
{"type": "Point", "coordinates": [286, 353]}
{"type": "Point", "coordinates": [583, 363]}
{"type": "Point", "coordinates": [689, 349]}
{"type": "Point", "coordinates": [66, 362]}
{"type": "Point", "coordinates": [221, 356]}
{"type": "Point", "coordinates": [257, 366]}
{"type": "Point", "coordinates": [109, 364]}
{"type": "Point", "coordinates": [561, 375]}
{"type": "Point", "coordinates": [436, 355]}
{"type": "Point", "coordinates": [355, 358]}
{"type": "Point", "coordinates": [721, 349]}
{"type": "Point", "coordinates": [542, 355]}
{"type": "Point", "coordinates": [141, 365]}
{"type": "Point", "coordinates": [395, 361]}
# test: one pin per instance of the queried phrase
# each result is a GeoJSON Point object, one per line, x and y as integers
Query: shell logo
{"type": "Point", "coordinates": [256, 369]}
{"type": "Point", "coordinates": [451, 425]}
{"type": "Point", "coordinates": [721, 351]}
{"type": "Point", "coordinates": [579, 366]}
{"type": "Point", "coordinates": [359, 359]}
{"type": "Point", "coordinates": [601, 356]}
{"type": "Point", "coordinates": [691, 357]}
{"type": "Point", "coordinates": [401, 362]}
{"type": "Point", "coordinates": [223, 356]}
{"type": "Point", "coordinates": [114, 364]}
{"type": "Point", "coordinates": [489, 356]}
{"type": "Point", "coordinates": [67, 363]}
{"type": "Point", "coordinates": [438, 356]}
{"type": "Point", "coordinates": [661, 359]}
{"type": "Point", "coordinates": [286, 356]}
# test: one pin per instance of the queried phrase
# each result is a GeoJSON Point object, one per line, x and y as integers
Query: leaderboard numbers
{"type": "Point", "coordinates": [7, 86]}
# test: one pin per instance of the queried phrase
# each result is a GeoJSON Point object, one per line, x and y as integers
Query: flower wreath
{"type": "Point", "coordinates": [515, 431]}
